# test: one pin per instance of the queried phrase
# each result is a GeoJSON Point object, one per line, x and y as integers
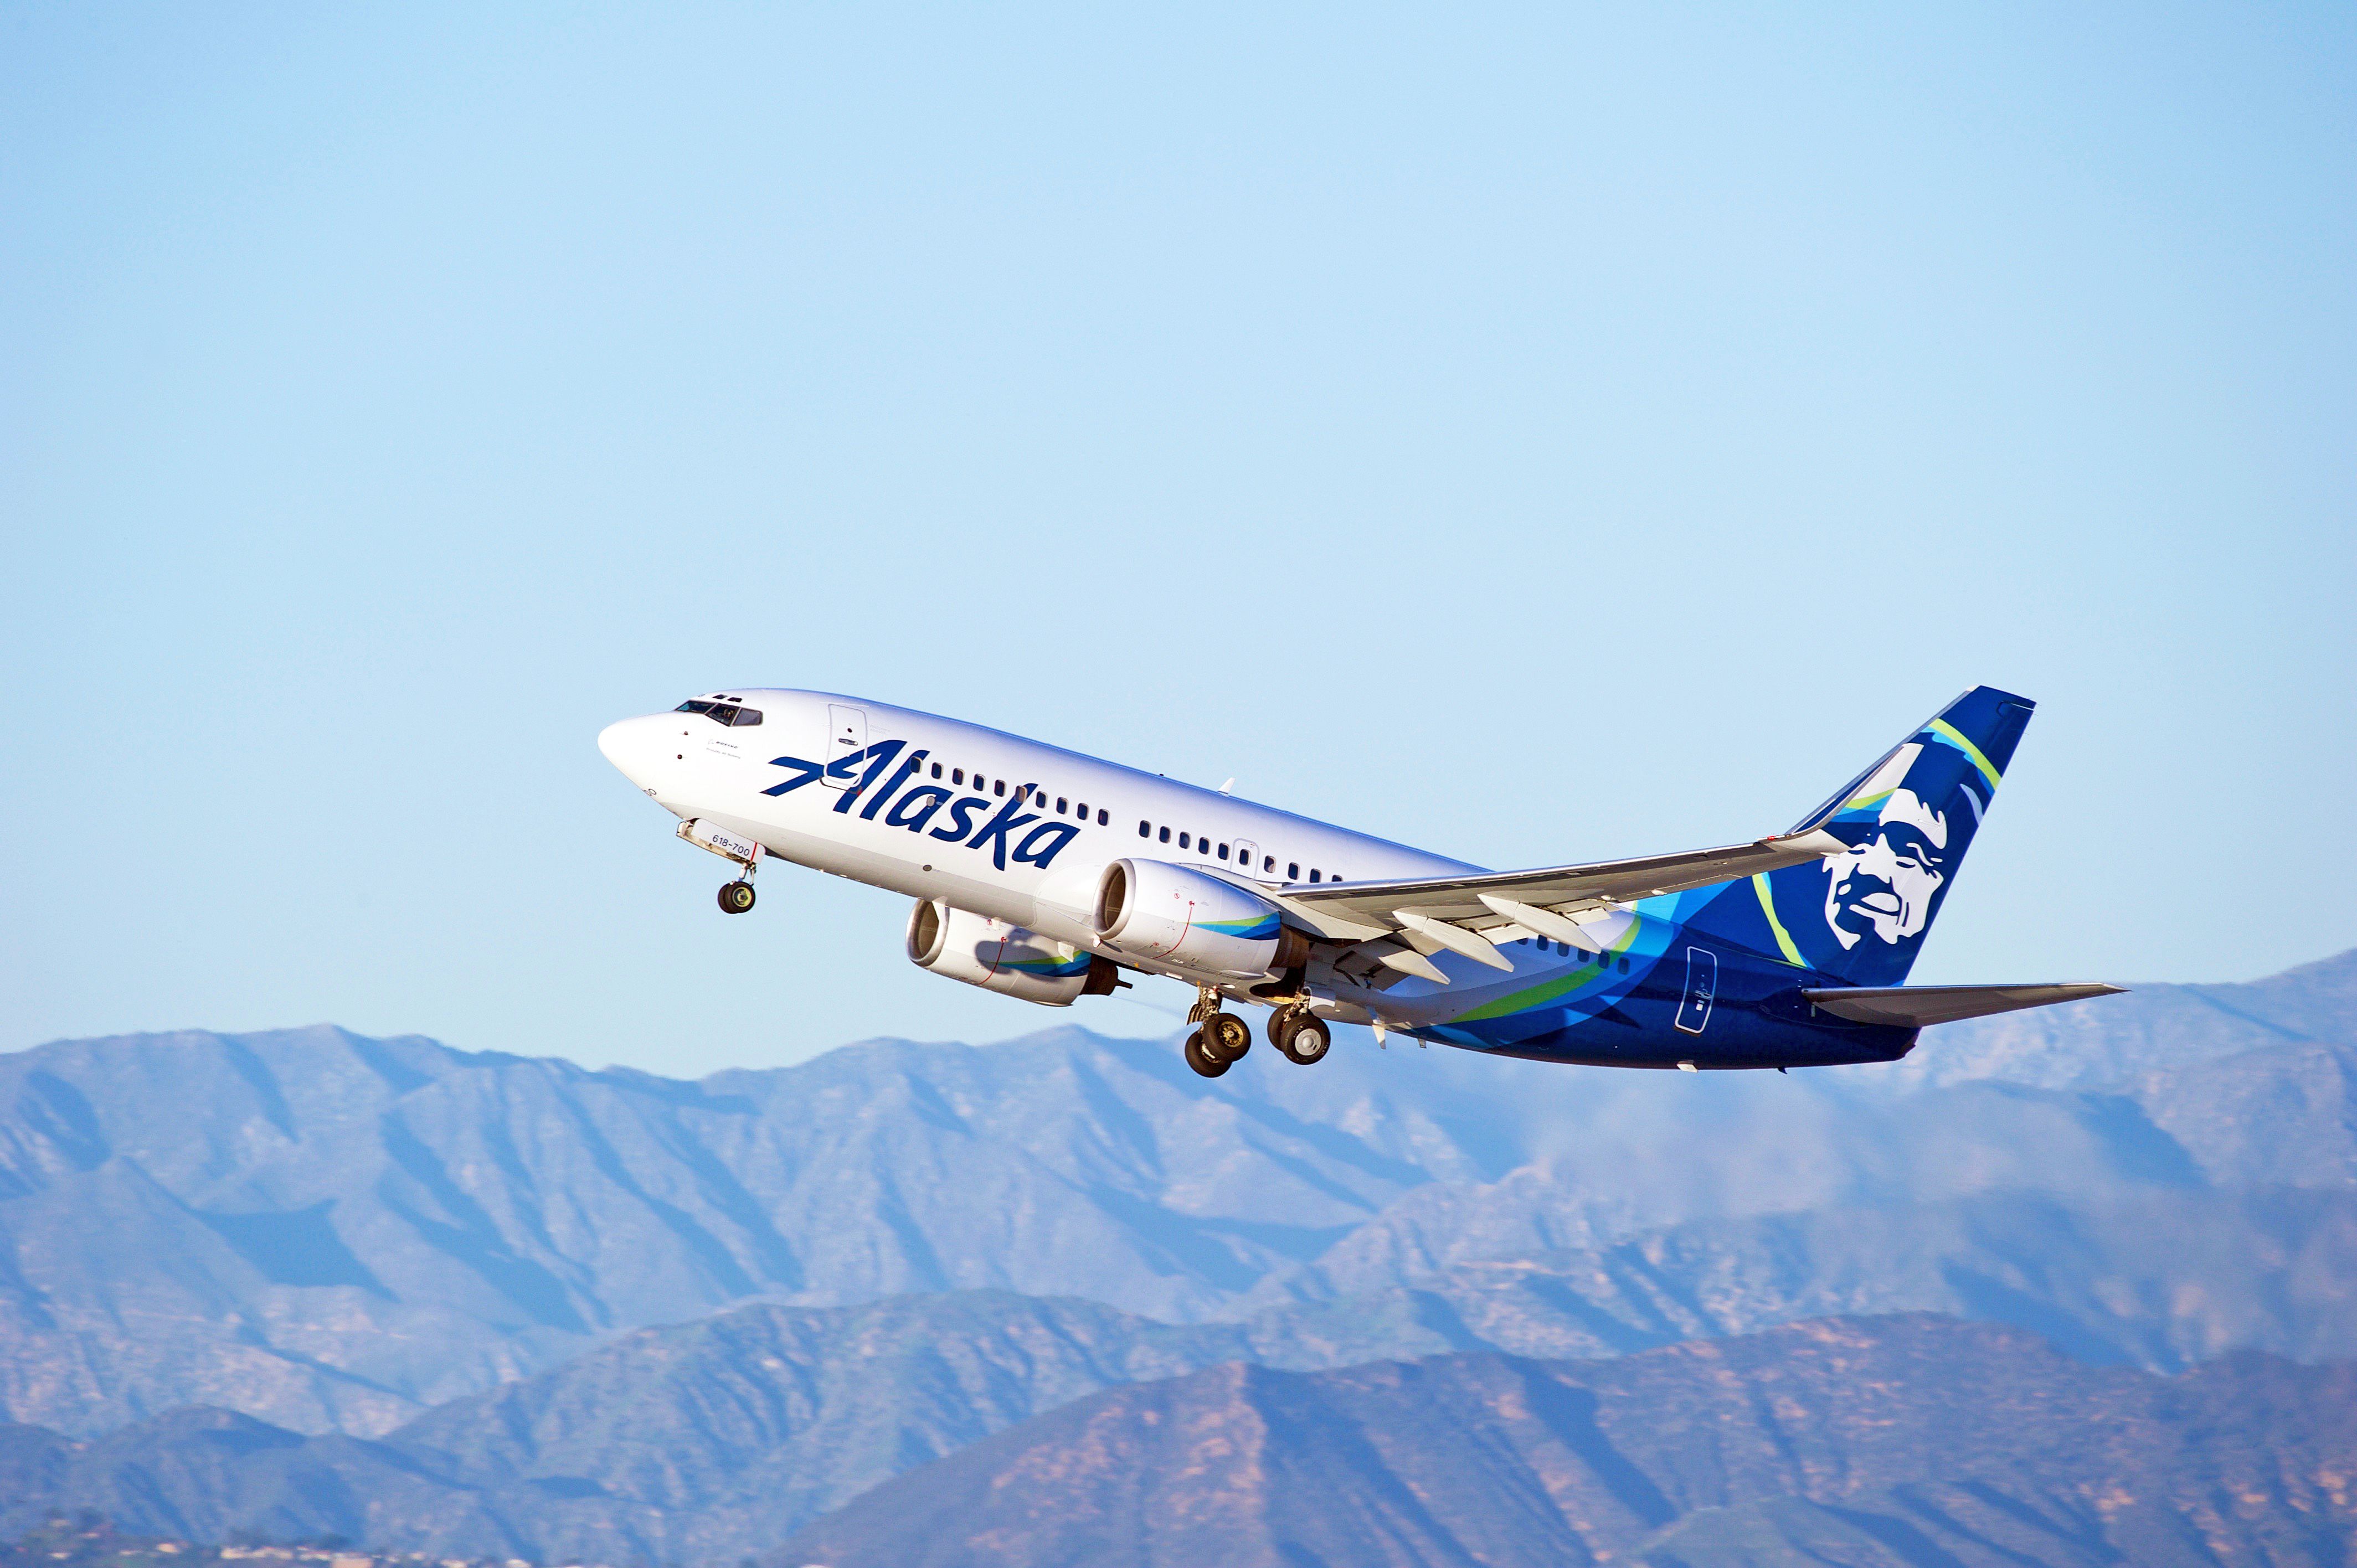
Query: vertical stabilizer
{"type": "Point", "coordinates": [1861, 914]}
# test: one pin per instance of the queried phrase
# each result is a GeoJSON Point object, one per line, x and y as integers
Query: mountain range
{"type": "Point", "coordinates": [331, 1232]}
{"type": "Point", "coordinates": [309, 1283]}
{"type": "Point", "coordinates": [987, 1429]}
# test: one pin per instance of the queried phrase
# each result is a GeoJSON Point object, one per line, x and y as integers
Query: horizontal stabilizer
{"type": "Point", "coordinates": [1913, 1006]}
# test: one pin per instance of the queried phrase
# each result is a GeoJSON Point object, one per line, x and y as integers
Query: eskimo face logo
{"type": "Point", "coordinates": [1887, 884]}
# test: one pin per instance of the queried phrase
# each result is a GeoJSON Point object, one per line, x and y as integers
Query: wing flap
{"type": "Point", "coordinates": [1916, 1006]}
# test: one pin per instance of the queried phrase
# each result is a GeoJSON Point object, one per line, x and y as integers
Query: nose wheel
{"type": "Point", "coordinates": [736, 897]}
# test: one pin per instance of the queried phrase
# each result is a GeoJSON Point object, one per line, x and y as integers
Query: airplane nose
{"type": "Point", "coordinates": [629, 746]}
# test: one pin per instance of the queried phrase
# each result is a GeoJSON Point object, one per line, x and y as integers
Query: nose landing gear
{"type": "Point", "coordinates": [736, 897]}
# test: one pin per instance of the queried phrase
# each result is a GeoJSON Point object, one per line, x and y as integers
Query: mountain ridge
{"type": "Point", "coordinates": [335, 1232]}
{"type": "Point", "coordinates": [715, 1441]}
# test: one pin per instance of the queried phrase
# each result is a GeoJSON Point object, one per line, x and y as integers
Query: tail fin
{"type": "Point", "coordinates": [1861, 914]}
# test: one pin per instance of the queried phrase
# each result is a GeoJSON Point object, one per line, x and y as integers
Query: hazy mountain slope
{"type": "Point", "coordinates": [707, 1441]}
{"type": "Point", "coordinates": [1879, 1441]}
{"type": "Point", "coordinates": [702, 1442]}
{"type": "Point", "coordinates": [2151, 1028]}
{"type": "Point", "coordinates": [334, 1232]}
{"type": "Point", "coordinates": [2161, 1279]}
{"type": "Point", "coordinates": [330, 1230]}
{"type": "Point", "coordinates": [2281, 1115]}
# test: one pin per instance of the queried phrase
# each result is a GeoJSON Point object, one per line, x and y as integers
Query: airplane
{"type": "Point", "coordinates": [1045, 875]}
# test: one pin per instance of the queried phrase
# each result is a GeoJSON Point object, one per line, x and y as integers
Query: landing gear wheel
{"type": "Point", "coordinates": [1226, 1037]}
{"type": "Point", "coordinates": [1202, 1061]}
{"type": "Point", "coordinates": [1305, 1040]}
{"type": "Point", "coordinates": [736, 897]}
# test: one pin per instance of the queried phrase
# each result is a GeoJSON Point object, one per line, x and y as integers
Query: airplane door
{"type": "Point", "coordinates": [1702, 985]}
{"type": "Point", "coordinates": [847, 736]}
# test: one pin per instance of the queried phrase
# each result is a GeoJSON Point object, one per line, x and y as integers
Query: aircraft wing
{"type": "Point", "coordinates": [1913, 1006]}
{"type": "Point", "coordinates": [1464, 913]}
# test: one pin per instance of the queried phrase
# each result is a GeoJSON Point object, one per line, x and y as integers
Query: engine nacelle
{"type": "Point", "coordinates": [1003, 958]}
{"type": "Point", "coordinates": [1154, 909]}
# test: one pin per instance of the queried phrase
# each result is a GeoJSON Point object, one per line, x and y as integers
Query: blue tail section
{"type": "Point", "coordinates": [1858, 916]}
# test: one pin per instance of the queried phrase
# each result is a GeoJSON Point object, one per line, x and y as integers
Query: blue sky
{"type": "Point", "coordinates": [1537, 435]}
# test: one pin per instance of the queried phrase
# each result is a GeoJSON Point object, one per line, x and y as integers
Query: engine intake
{"type": "Point", "coordinates": [1154, 909]}
{"type": "Point", "coordinates": [1006, 958]}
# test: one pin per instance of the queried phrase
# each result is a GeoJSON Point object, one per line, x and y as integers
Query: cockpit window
{"type": "Point", "coordinates": [723, 713]}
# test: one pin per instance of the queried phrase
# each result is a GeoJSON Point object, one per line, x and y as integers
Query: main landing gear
{"type": "Point", "coordinates": [1299, 1036]}
{"type": "Point", "coordinates": [1222, 1038]}
{"type": "Point", "coordinates": [736, 897]}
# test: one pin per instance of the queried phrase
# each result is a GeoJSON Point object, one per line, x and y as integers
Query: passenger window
{"type": "Point", "coordinates": [1624, 963]}
{"type": "Point", "coordinates": [1224, 851]}
{"type": "Point", "coordinates": [1293, 871]}
{"type": "Point", "coordinates": [1268, 862]}
{"type": "Point", "coordinates": [1000, 788]}
{"type": "Point", "coordinates": [1182, 841]}
{"type": "Point", "coordinates": [1165, 835]}
{"type": "Point", "coordinates": [1145, 829]}
{"type": "Point", "coordinates": [937, 770]}
{"type": "Point", "coordinates": [747, 717]}
{"type": "Point", "coordinates": [1103, 820]}
{"type": "Point", "coordinates": [1313, 873]}
{"type": "Point", "coordinates": [1059, 805]}
{"type": "Point", "coordinates": [957, 775]}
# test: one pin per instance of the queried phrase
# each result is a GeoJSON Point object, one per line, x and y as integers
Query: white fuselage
{"type": "Point", "coordinates": [924, 830]}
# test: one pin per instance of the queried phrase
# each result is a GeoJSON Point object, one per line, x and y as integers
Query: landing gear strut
{"type": "Point", "coordinates": [1221, 1041]}
{"type": "Point", "coordinates": [736, 897]}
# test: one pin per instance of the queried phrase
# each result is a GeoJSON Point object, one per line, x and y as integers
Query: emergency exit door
{"type": "Point", "coordinates": [1702, 986]}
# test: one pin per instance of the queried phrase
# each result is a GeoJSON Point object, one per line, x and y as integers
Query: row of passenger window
{"type": "Point", "coordinates": [1201, 844]}
{"type": "Point", "coordinates": [1563, 950]}
{"type": "Point", "coordinates": [1065, 807]}
{"type": "Point", "coordinates": [957, 777]}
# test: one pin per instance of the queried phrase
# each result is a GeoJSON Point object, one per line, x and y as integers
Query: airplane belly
{"type": "Point", "coordinates": [1747, 1018]}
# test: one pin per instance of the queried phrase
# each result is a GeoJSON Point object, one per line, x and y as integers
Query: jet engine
{"type": "Point", "coordinates": [1003, 958]}
{"type": "Point", "coordinates": [1156, 910]}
